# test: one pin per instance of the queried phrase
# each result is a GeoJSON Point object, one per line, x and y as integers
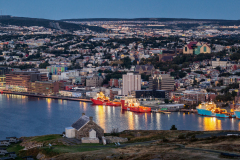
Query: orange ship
{"type": "Point", "coordinates": [131, 104]}
{"type": "Point", "coordinates": [101, 99]}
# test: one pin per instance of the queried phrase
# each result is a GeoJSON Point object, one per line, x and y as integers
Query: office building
{"type": "Point", "coordinates": [161, 82]}
{"type": "Point", "coordinates": [159, 94]}
{"type": "Point", "coordinates": [46, 87]}
{"type": "Point", "coordinates": [20, 80]}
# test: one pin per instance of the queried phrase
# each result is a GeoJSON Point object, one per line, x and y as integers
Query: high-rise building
{"type": "Point", "coordinates": [131, 82]}
{"type": "Point", "coordinates": [161, 82]}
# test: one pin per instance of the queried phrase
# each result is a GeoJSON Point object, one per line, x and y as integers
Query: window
{"type": "Point", "coordinates": [185, 49]}
{"type": "Point", "coordinates": [205, 49]}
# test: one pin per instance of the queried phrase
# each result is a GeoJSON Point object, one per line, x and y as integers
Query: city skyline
{"type": "Point", "coordinates": [122, 9]}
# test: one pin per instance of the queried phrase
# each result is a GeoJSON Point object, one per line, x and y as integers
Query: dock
{"type": "Point", "coordinates": [46, 96]}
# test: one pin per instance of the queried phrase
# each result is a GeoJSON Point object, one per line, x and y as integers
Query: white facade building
{"type": "Point", "coordinates": [131, 82]}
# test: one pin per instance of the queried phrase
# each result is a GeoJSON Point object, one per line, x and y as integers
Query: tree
{"type": "Point", "coordinates": [145, 77]}
{"type": "Point", "coordinates": [126, 62]}
{"type": "Point", "coordinates": [218, 68]}
{"type": "Point", "coordinates": [166, 101]}
{"type": "Point", "coordinates": [235, 56]}
{"type": "Point", "coordinates": [173, 127]}
{"type": "Point", "coordinates": [44, 65]}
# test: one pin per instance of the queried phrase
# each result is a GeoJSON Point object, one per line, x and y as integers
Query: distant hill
{"type": "Point", "coordinates": [24, 21]}
{"type": "Point", "coordinates": [218, 21]}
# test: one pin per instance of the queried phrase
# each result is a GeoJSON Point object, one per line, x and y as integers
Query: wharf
{"type": "Point", "coordinates": [43, 96]}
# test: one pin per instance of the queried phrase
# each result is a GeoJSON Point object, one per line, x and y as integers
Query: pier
{"type": "Point", "coordinates": [46, 96]}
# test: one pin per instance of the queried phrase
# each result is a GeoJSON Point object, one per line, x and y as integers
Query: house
{"type": "Point", "coordinates": [85, 129]}
{"type": "Point", "coordinates": [4, 143]}
{"type": "Point", "coordinates": [13, 139]}
{"type": "Point", "coordinates": [3, 151]}
{"type": "Point", "coordinates": [196, 48]}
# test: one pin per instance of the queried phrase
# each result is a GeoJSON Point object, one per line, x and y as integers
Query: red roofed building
{"type": "Point", "coordinates": [196, 48]}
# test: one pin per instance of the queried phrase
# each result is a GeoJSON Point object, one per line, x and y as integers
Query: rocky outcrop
{"type": "Point", "coordinates": [42, 156]}
{"type": "Point", "coordinates": [31, 144]}
{"type": "Point", "coordinates": [112, 139]}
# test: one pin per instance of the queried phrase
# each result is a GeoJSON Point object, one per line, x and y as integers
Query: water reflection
{"type": "Point", "coordinates": [25, 111]}
{"type": "Point", "coordinates": [101, 116]}
{"type": "Point", "coordinates": [84, 106]}
{"type": "Point", "coordinates": [130, 121]}
{"type": "Point", "coordinates": [49, 102]}
{"type": "Point", "coordinates": [212, 123]}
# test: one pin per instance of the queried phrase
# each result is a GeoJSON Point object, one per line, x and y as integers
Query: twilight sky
{"type": "Point", "coordinates": [66, 9]}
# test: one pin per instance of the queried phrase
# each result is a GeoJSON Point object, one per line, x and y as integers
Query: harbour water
{"type": "Point", "coordinates": [31, 116]}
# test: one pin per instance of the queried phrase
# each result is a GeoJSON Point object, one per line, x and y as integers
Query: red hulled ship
{"type": "Point", "coordinates": [131, 104]}
{"type": "Point", "coordinates": [101, 99]}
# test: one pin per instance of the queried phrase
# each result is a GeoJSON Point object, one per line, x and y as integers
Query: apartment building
{"type": "Point", "coordinates": [131, 82]}
{"type": "Point", "coordinates": [161, 82]}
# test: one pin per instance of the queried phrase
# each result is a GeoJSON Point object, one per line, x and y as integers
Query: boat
{"type": "Point", "coordinates": [166, 112]}
{"type": "Point", "coordinates": [131, 104]}
{"type": "Point", "coordinates": [237, 113]}
{"type": "Point", "coordinates": [210, 109]}
{"type": "Point", "coordinates": [101, 99]}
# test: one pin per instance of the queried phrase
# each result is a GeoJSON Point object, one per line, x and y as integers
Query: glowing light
{"type": "Point", "coordinates": [212, 123]}
{"type": "Point", "coordinates": [84, 106]}
{"type": "Point", "coordinates": [131, 121]}
{"type": "Point", "coordinates": [101, 116]}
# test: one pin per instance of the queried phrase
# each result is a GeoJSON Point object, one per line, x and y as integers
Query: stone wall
{"type": "Point", "coordinates": [89, 140]}
{"type": "Point", "coordinates": [84, 131]}
{"type": "Point", "coordinates": [112, 139]}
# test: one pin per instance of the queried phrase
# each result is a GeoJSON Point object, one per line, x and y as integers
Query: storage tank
{"type": "Point", "coordinates": [70, 132]}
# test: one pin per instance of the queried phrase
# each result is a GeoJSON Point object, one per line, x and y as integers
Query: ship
{"type": "Point", "coordinates": [131, 104]}
{"type": "Point", "coordinates": [237, 112]}
{"type": "Point", "coordinates": [101, 99]}
{"type": "Point", "coordinates": [210, 109]}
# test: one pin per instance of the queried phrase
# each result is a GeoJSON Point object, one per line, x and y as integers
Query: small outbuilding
{"type": "Point", "coordinates": [70, 132]}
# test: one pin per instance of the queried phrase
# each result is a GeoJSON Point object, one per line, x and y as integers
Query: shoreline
{"type": "Point", "coordinates": [42, 96]}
